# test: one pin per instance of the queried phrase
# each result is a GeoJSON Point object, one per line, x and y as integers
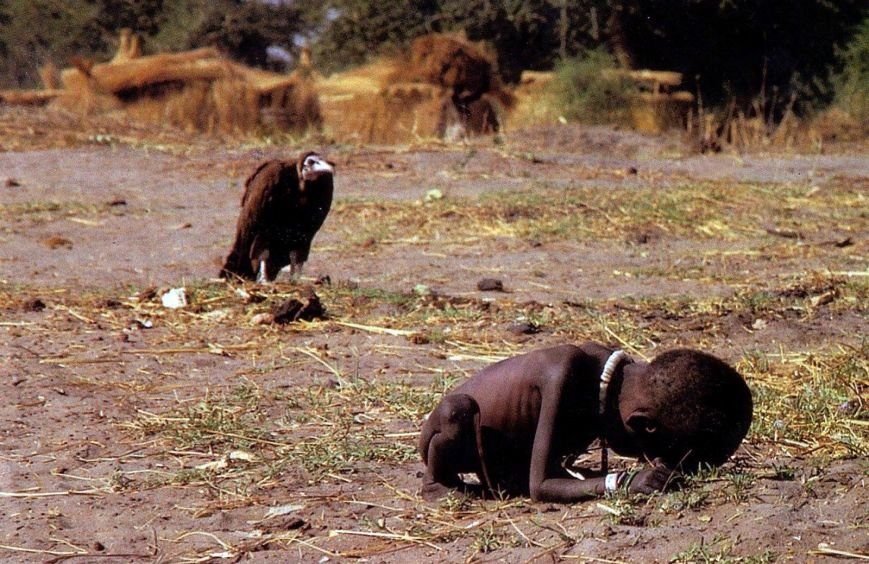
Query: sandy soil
{"type": "Point", "coordinates": [110, 213]}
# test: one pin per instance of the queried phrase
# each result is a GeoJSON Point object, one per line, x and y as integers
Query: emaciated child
{"type": "Point", "coordinates": [514, 423]}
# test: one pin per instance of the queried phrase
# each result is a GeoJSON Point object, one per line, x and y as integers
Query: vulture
{"type": "Point", "coordinates": [283, 206]}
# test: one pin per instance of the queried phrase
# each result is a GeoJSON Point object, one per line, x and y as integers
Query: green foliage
{"type": "Point", "coordinates": [733, 50]}
{"type": "Point", "coordinates": [34, 32]}
{"type": "Point", "coordinates": [525, 34]}
{"type": "Point", "coordinates": [362, 29]}
{"type": "Point", "coordinates": [39, 31]}
{"type": "Point", "coordinates": [143, 16]}
{"type": "Point", "coordinates": [589, 92]}
{"type": "Point", "coordinates": [180, 18]}
{"type": "Point", "coordinates": [719, 550]}
{"type": "Point", "coordinates": [852, 83]}
{"type": "Point", "coordinates": [245, 30]}
{"type": "Point", "coordinates": [4, 20]}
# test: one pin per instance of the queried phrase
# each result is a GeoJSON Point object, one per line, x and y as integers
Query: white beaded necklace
{"type": "Point", "coordinates": [608, 368]}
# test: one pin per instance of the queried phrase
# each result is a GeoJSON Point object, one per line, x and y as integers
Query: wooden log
{"type": "Point", "coordinates": [663, 78]}
{"type": "Point", "coordinates": [680, 96]}
{"type": "Point", "coordinates": [265, 82]}
{"type": "Point", "coordinates": [200, 64]}
{"type": "Point", "coordinates": [28, 97]}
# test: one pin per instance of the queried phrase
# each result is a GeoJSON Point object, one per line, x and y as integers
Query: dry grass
{"type": "Point", "coordinates": [714, 211]}
{"type": "Point", "coordinates": [242, 441]}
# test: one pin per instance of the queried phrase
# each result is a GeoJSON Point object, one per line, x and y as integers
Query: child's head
{"type": "Point", "coordinates": [702, 409]}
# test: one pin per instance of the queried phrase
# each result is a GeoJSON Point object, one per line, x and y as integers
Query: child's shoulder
{"type": "Point", "coordinates": [571, 355]}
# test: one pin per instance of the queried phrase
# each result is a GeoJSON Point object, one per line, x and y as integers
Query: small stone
{"type": "Point", "coordinates": [147, 294]}
{"type": "Point", "coordinates": [263, 319]}
{"type": "Point", "coordinates": [823, 299]}
{"type": "Point", "coordinates": [419, 339]}
{"type": "Point", "coordinates": [422, 290]}
{"type": "Point", "coordinates": [523, 328]}
{"type": "Point", "coordinates": [33, 304]}
{"type": "Point", "coordinates": [759, 324]}
{"type": "Point", "coordinates": [112, 303]}
{"type": "Point", "coordinates": [433, 195]}
{"type": "Point", "coordinates": [848, 408]}
{"type": "Point", "coordinates": [284, 523]}
{"type": "Point", "coordinates": [490, 285]}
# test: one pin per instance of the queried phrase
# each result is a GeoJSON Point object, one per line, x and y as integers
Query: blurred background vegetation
{"type": "Point", "coordinates": [805, 53]}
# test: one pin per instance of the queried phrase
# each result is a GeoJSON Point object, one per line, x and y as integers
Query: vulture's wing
{"type": "Point", "coordinates": [250, 180]}
{"type": "Point", "coordinates": [267, 196]}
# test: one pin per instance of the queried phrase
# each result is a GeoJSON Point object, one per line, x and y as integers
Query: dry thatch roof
{"type": "Point", "coordinates": [444, 86]}
{"type": "Point", "coordinates": [198, 90]}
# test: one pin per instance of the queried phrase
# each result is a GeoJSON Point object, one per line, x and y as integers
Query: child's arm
{"type": "Point", "coordinates": [542, 486]}
{"type": "Point", "coordinates": [568, 490]}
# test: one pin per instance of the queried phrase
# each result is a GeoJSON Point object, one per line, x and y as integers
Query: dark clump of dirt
{"type": "Point", "coordinates": [292, 310]}
{"type": "Point", "coordinates": [644, 234]}
{"type": "Point", "coordinates": [57, 242]}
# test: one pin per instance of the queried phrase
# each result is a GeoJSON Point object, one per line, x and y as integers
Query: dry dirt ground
{"type": "Point", "coordinates": [134, 432]}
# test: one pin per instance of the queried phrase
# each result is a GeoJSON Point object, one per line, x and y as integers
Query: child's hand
{"type": "Point", "coordinates": [654, 479]}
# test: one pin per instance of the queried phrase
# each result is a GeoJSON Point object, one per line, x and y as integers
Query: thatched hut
{"type": "Point", "coordinates": [443, 87]}
{"type": "Point", "coordinates": [198, 90]}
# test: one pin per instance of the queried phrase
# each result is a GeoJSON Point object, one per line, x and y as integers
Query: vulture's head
{"type": "Point", "coordinates": [312, 166]}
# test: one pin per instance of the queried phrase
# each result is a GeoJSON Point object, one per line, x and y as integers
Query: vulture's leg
{"type": "Point", "coordinates": [296, 271]}
{"type": "Point", "coordinates": [261, 276]}
{"type": "Point", "coordinates": [261, 257]}
{"type": "Point", "coordinates": [295, 266]}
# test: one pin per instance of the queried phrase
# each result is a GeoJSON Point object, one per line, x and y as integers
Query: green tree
{"type": "Point", "coordinates": [142, 16]}
{"type": "Point", "coordinates": [524, 33]}
{"type": "Point", "coordinates": [39, 31]}
{"type": "Point", "coordinates": [733, 49]}
{"type": "Point", "coordinates": [246, 29]}
{"type": "Point", "coordinates": [4, 20]}
{"type": "Point", "coordinates": [358, 30]}
{"type": "Point", "coordinates": [851, 82]}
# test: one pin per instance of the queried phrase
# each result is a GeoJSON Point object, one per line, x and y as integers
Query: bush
{"type": "Point", "coordinates": [852, 83]}
{"type": "Point", "coordinates": [588, 91]}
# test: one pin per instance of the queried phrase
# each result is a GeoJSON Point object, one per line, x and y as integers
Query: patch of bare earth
{"type": "Point", "coordinates": [143, 433]}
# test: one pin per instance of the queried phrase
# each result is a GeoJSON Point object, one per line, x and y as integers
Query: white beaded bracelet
{"type": "Point", "coordinates": [611, 482]}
